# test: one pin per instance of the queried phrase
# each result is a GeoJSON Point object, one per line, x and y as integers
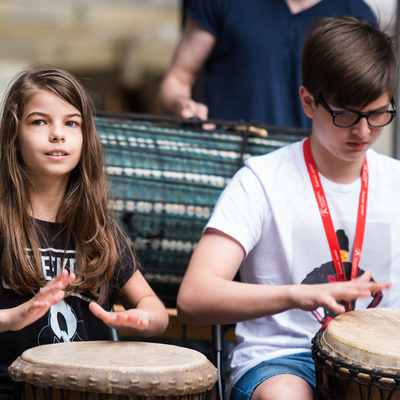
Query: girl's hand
{"type": "Point", "coordinates": [135, 319]}
{"type": "Point", "coordinates": [311, 297]}
{"type": "Point", "coordinates": [25, 314]}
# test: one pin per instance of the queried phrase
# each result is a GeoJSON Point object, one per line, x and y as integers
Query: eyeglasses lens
{"type": "Point", "coordinates": [346, 119]}
{"type": "Point", "coordinates": [377, 119]}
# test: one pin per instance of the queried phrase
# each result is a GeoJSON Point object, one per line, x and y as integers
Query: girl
{"type": "Point", "coordinates": [63, 259]}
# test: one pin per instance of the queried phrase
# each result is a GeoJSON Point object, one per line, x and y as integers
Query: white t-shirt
{"type": "Point", "coordinates": [270, 208]}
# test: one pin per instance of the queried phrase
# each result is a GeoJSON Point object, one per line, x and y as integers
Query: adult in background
{"type": "Point", "coordinates": [251, 54]}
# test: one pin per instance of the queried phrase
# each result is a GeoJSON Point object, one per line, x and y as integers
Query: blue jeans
{"type": "Point", "coordinates": [300, 364]}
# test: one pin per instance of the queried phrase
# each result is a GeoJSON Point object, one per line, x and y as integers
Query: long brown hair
{"type": "Point", "coordinates": [84, 213]}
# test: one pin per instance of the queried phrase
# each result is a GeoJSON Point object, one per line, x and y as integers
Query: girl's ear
{"type": "Point", "coordinates": [307, 101]}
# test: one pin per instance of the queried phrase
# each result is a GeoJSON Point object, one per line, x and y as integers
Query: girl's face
{"type": "Point", "coordinates": [50, 137]}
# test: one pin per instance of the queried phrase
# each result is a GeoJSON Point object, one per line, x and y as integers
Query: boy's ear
{"type": "Point", "coordinates": [307, 101]}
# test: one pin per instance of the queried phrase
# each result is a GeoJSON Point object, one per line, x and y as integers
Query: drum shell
{"type": "Point", "coordinates": [26, 391]}
{"type": "Point", "coordinates": [117, 369]}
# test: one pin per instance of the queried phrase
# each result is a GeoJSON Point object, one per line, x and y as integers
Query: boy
{"type": "Point", "coordinates": [292, 220]}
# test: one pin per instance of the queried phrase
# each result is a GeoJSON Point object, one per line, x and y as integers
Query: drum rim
{"type": "Point", "coordinates": [94, 380]}
{"type": "Point", "coordinates": [321, 355]}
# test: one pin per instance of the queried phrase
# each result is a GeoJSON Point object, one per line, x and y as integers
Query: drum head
{"type": "Point", "coordinates": [140, 368]}
{"type": "Point", "coordinates": [367, 337]}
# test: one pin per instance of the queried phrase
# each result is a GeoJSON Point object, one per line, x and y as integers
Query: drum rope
{"type": "Point", "coordinates": [346, 373]}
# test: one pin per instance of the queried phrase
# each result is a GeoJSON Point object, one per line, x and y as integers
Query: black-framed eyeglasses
{"type": "Point", "coordinates": [346, 119]}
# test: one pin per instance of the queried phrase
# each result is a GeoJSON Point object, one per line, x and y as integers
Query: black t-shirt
{"type": "Point", "coordinates": [68, 320]}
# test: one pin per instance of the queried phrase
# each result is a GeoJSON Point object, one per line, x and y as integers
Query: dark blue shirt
{"type": "Point", "coordinates": [254, 71]}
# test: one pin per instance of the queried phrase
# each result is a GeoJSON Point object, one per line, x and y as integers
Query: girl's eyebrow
{"type": "Point", "coordinates": [43, 114]}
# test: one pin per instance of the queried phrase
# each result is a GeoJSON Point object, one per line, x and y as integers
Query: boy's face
{"type": "Point", "coordinates": [342, 144]}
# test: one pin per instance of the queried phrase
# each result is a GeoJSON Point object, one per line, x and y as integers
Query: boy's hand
{"type": "Point", "coordinates": [311, 297]}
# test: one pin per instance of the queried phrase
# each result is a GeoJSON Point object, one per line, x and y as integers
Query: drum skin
{"type": "Point", "coordinates": [358, 356]}
{"type": "Point", "coordinates": [132, 369]}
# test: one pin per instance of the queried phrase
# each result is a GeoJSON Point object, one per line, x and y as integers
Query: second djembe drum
{"type": "Point", "coordinates": [357, 356]}
{"type": "Point", "coordinates": [112, 370]}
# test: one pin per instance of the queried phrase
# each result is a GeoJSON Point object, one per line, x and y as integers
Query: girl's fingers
{"type": "Point", "coordinates": [133, 319]}
{"type": "Point", "coordinates": [97, 310]}
{"type": "Point", "coordinates": [60, 282]}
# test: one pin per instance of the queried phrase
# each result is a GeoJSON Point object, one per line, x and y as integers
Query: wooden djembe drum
{"type": "Point", "coordinates": [357, 356]}
{"type": "Point", "coordinates": [112, 370]}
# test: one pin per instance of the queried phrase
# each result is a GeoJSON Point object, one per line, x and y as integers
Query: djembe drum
{"type": "Point", "coordinates": [112, 370]}
{"type": "Point", "coordinates": [357, 356]}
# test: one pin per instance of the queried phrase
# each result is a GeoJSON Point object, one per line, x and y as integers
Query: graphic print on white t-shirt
{"type": "Point", "coordinates": [326, 273]}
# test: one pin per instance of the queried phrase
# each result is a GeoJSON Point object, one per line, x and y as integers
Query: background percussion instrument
{"type": "Point", "coordinates": [166, 179]}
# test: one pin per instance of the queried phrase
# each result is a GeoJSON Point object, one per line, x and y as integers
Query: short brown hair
{"type": "Point", "coordinates": [348, 62]}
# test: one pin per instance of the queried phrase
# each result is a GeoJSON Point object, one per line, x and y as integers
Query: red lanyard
{"type": "Point", "coordinates": [326, 215]}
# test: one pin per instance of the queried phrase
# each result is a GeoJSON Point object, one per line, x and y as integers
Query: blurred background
{"type": "Point", "coordinates": [119, 49]}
